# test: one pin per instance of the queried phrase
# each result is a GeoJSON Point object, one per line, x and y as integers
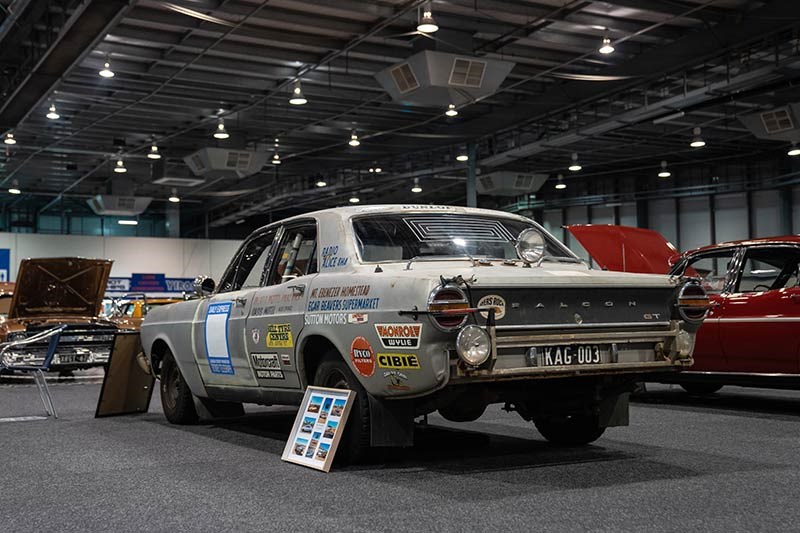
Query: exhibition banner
{"type": "Point", "coordinates": [146, 283]}
{"type": "Point", "coordinates": [318, 427]}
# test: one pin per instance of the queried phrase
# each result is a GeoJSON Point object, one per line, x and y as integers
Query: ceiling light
{"type": "Point", "coordinates": [276, 159]}
{"type": "Point", "coordinates": [378, 170]}
{"type": "Point", "coordinates": [451, 111]}
{"type": "Point", "coordinates": [240, 221]}
{"type": "Point", "coordinates": [321, 183]}
{"type": "Point", "coordinates": [297, 95]}
{"type": "Point", "coordinates": [371, 170]}
{"type": "Point", "coordinates": [426, 22]}
{"type": "Point", "coordinates": [106, 72]}
{"type": "Point", "coordinates": [794, 151]}
{"type": "Point", "coordinates": [153, 153]}
{"type": "Point", "coordinates": [354, 199]}
{"type": "Point", "coordinates": [127, 222]}
{"type": "Point", "coordinates": [462, 157]}
{"type": "Point", "coordinates": [416, 188]}
{"type": "Point", "coordinates": [221, 133]}
{"type": "Point", "coordinates": [174, 198]}
{"type": "Point", "coordinates": [575, 166]}
{"type": "Point", "coordinates": [664, 173]}
{"type": "Point", "coordinates": [697, 140]}
{"type": "Point", "coordinates": [560, 185]}
{"type": "Point", "coordinates": [120, 167]}
{"type": "Point", "coordinates": [52, 114]}
{"type": "Point", "coordinates": [14, 189]}
{"type": "Point", "coordinates": [606, 47]}
{"type": "Point", "coordinates": [354, 139]}
{"type": "Point", "coordinates": [10, 139]}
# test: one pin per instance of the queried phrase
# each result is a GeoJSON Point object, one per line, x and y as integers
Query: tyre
{"type": "Point", "coordinates": [334, 373]}
{"type": "Point", "coordinates": [700, 388]}
{"type": "Point", "coordinates": [176, 398]}
{"type": "Point", "coordinates": [570, 430]}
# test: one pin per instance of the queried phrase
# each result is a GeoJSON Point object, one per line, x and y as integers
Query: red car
{"type": "Point", "coordinates": [751, 335]}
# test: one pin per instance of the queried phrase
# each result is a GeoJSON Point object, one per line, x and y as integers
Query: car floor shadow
{"type": "Point", "coordinates": [746, 405]}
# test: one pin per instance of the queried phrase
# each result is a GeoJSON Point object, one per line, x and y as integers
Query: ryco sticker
{"type": "Point", "coordinates": [398, 361]}
{"type": "Point", "coordinates": [362, 356]}
{"type": "Point", "coordinates": [493, 300]}
{"type": "Point", "coordinates": [279, 336]}
{"type": "Point", "coordinates": [399, 335]}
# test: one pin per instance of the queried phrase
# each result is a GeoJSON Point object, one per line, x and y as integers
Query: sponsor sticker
{"type": "Point", "coordinates": [493, 300]}
{"type": "Point", "coordinates": [286, 359]}
{"type": "Point", "coordinates": [399, 335]}
{"type": "Point", "coordinates": [358, 318]}
{"type": "Point", "coordinates": [279, 336]}
{"type": "Point", "coordinates": [267, 365]}
{"type": "Point", "coordinates": [396, 380]}
{"type": "Point", "coordinates": [256, 335]}
{"type": "Point", "coordinates": [398, 361]}
{"type": "Point", "coordinates": [362, 356]}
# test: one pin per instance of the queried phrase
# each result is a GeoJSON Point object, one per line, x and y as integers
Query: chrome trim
{"type": "Point", "coordinates": [607, 325]}
{"type": "Point", "coordinates": [560, 371]}
{"type": "Point", "coordinates": [526, 341]}
{"type": "Point", "coordinates": [431, 300]}
{"type": "Point", "coordinates": [681, 311]}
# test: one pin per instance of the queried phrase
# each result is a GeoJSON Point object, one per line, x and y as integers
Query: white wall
{"type": "Point", "coordinates": [179, 258]}
{"type": "Point", "coordinates": [695, 218]}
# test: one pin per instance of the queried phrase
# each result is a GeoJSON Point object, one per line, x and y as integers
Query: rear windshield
{"type": "Point", "coordinates": [403, 237]}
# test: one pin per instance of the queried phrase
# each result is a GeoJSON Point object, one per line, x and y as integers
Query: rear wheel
{"type": "Point", "coordinates": [334, 373]}
{"type": "Point", "coordinates": [176, 398]}
{"type": "Point", "coordinates": [570, 430]}
{"type": "Point", "coordinates": [701, 388]}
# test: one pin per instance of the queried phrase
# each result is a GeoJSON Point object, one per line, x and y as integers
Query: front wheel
{"type": "Point", "coordinates": [570, 430]}
{"type": "Point", "coordinates": [334, 373]}
{"type": "Point", "coordinates": [701, 388]}
{"type": "Point", "coordinates": [176, 398]}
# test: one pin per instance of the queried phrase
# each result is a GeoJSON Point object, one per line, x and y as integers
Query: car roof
{"type": "Point", "coordinates": [784, 239]}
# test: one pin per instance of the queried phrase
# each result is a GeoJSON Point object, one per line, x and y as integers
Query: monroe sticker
{"type": "Point", "coordinates": [493, 300]}
{"type": "Point", "coordinates": [362, 356]}
{"type": "Point", "coordinates": [279, 336]}
{"type": "Point", "coordinates": [399, 335]}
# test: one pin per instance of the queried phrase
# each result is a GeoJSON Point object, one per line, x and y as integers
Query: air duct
{"type": "Point", "coordinates": [224, 163]}
{"type": "Point", "coordinates": [779, 124]}
{"type": "Point", "coordinates": [436, 79]}
{"type": "Point", "coordinates": [120, 206]}
{"type": "Point", "coordinates": [508, 183]}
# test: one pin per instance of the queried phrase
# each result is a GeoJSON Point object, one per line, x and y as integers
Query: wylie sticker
{"type": "Point", "coordinates": [399, 335]}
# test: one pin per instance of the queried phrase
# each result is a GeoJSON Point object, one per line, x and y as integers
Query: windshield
{"type": "Point", "coordinates": [402, 237]}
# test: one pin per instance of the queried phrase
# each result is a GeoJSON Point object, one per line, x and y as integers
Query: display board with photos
{"type": "Point", "coordinates": [318, 427]}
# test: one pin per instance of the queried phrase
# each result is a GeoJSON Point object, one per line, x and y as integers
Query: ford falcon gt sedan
{"type": "Point", "coordinates": [749, 337]}
{"type": "Point", "coordinates": [419, 309]}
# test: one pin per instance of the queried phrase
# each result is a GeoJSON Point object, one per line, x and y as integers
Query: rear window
{"type": "Point", "coordinates": [403, 237]}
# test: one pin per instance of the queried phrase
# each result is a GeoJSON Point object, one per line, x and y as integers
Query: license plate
{"type": "Point", "coordinates": [73, 358]}
{"type": "Point", "coordinates": [566, 355]}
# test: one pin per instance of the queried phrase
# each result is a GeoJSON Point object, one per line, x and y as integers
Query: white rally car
{"type": "Point", "coordinates": [419, 309]}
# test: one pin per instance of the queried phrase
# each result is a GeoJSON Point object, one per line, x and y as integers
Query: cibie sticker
{"type": "Point", "coordinates": [398, 361]}
{"type": "Point", "coordinates": [279, 336]}
{"type": "Point", "coordinates": [493, 300]}
{"type": "Point", "coordinates": [399, 335]}
{"type": "Point", "coordinates": [362, 356]}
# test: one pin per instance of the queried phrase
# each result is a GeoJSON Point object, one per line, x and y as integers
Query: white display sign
{"type": "Point", "coordinates": [318, 427]}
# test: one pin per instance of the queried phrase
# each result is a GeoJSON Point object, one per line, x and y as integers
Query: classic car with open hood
{"type": "Point", "coordinates": [418, 309]}
{"type": "Point", "coordinates": [749, 337]}
{"type": "Point", "coordinates": [63, 294]}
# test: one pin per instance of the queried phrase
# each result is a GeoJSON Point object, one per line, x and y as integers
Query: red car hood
{"type": "Point", "coordinates": [625, 249]}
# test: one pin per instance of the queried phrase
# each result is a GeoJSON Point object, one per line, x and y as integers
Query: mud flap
{"type": "Point", "coordinates": [208, 408]}
{"type": "Point", "coordinates": [391, 422]}
{"type": "Point", "coordinates": [614, 411]}
{"type": "Point", "coordinates": [128, 384]}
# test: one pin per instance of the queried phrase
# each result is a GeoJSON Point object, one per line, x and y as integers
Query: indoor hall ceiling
{"type": "Point", "coordinates": [181, 65]}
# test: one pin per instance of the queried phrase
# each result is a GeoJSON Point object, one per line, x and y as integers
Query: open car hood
{"type": "Point", "coordinates": [625, 249]}
{"type": "Point", "coordinates": [62, 286]}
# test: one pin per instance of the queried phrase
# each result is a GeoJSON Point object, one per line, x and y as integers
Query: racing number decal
{"type": "Point", "coordinates": [216, 330]}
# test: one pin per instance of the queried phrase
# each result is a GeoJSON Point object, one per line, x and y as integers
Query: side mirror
{"type": "Point", "coordinates": [203, 285]}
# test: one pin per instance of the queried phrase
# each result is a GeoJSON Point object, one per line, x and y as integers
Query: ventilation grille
{"type": "Point", "coordinates": [178, 181]}
{"type": "Point", "coordinates": [467, 73]}
{"type": "Point", "coordinates": [238, 160]}
{"type": "Point", "coordinates": [125, 202]}
{"type": "Point", "coordinates": [777, 121]}
{"type": "Point", "coordinates": [404, 78]}
{"type": "Point", "coordinates": [487, 182]}
{"type": "Point", "coordinates": [523, 181]}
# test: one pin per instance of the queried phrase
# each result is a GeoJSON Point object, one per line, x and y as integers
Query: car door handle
{"type": "Point", "coordinates": [240, 301]}
{"type": "Point", "coordinates": [299, 289]}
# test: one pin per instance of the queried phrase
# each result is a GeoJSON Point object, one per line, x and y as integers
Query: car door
{"type": "Point", "coordinates": [277, 315]}
{"type": "Point", "coordinates": [760, 317]}
{"type": "Point", "coordinates": [716, 271]}
{"type": "Point", "coordinates": [221, 322]}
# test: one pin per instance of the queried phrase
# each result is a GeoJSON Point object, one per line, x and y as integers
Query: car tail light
{"type": "Point", "coordinates": [449, 308]}
{"type": "Point", "coordinates": [693, 302]}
